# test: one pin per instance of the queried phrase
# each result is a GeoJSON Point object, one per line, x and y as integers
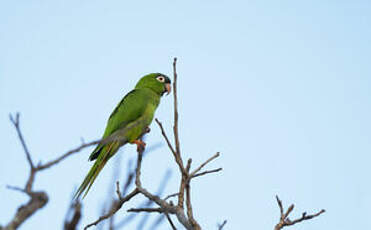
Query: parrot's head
{"type": "Point", "coordinates": [158, 82]}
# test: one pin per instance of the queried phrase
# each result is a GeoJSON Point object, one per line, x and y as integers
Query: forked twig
{"type": "Point", "coordinates": [284, 216]}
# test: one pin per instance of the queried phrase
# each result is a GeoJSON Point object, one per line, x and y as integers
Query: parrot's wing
{"type": "Point", "coordinates": [129, 109]}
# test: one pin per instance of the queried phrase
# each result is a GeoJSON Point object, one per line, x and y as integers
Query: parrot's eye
{"type": "Point", "coordinates": [160, 78]}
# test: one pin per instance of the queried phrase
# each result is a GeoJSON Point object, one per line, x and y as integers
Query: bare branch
{"type": "Point", "coordinates": [67, 154]}
{"type": "Point", "coordinates": [207, 172]}
{"type": "Point", "coordinates": [115, 137]}
{"type": "Point", "coordinates": [221, 226]}
{"type": "Point", "coordinates": [75, 208]}
{"type": "Point", "coordinates": [137, 190]}
{"type": "Point", "coordinates": [113, 211]}
{"type": "Point", "coordinates": [15, 122]}
{"type": "Point", "coordinates": [146, 203]}
{"type": "Point", "coordinates": [289, 210]}
{"type": "Point", "coordinates": [137, 171]}
{"type": "Point", "coordinates": [129, 180]}
{"type": "Point", "coordinates": [170, 221]}
{"type": "Point", "coordinates": [177, 157]}
{"type": "Point", "coordinates": [15, 188]}
{"type": "Point", "coordinates": [279, 202]}
{"type": "Point", "coordinates": [307, 217]}
{"type": "Point", "coordinates": [189, 208]}
{"type": "Point", "coordinates": [159, 210]}
{"type": "Point", "coordinates": [118, 190]}
{"type": "Point", "coordinates": [181, 191]}
{"type": "Point", "coordinates": [284, 216]}
{"type": "Point", "coordinates": [38, 200]}
{"type": "Point", "coordinates": [171, 195]}
{"type": "Point", "coordinates": [176, 133]}
{"type": "Point", "coordinates": [203, 164]}
{"type": "Point", "coordinates": [165, 136]}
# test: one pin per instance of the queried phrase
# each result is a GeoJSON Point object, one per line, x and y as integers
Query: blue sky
{"type": "Point", "coordinates": [280, 88]}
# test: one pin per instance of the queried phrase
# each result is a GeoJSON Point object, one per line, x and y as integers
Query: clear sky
{"type": "Point", "coordinates": [280, 88]}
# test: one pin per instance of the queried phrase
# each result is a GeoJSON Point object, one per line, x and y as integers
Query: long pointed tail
{"type": "Point", "coordinates": [103, 157]}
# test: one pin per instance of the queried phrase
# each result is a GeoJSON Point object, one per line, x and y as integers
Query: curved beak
{"type": "Point", "coordinates": [168, 88]}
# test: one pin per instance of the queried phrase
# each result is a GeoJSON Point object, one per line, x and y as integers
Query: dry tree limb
{"type": "Point", "coordinates": [67, 154]}
{"type": "Point", "coordinates": [139, 189]}
{"type": "Point", "coordinates": [15, 122]}
{"type": "Point", "coordinates": [170, 221]}
{"type": "Point", "coordinates": [171, 195]}
{"type": "Point", "coordinates": [146, 204]}
{"type": "Point", "coordinates": [118, 190]}
{"type": "Point", "coordinates": [189, 208]}
{"type": "Point", "coordinates": [160, 190]}
{"type": "Point", "coordinates": [114, 202]}
{"type": "Point", "coordinates": [38, 199]}
{"type": "Point", "coordinates": [284, 216]}
{"type": "Point", "coordinates": [157, 222]}
{"type": "Point", "coordinates": [31, 178]}
{"type": "Point", "coordinates": [176, 115]}
{"type": "Point", "coordinates": [188, 222]}
{"type": "Point", "coordinates": [207, 172]}
{"type": "Point", "coordinates": [203, 164]}
{"type": "Point", "coordinates": [115, 209]}
{"type": "Point", "coordinates": [221, 226]}
{"type": "Point", "coordinates": [71, 224]}
{"type": "Point", "coordinates": [177, 156]}
{"type": "Point", "coordinates": [159, 210]}
{"type": "Point", "coordinates": [166, 138]}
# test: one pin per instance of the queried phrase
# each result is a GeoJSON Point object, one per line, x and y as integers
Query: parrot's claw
{"type": "Point", "coordinates": [140, 145]}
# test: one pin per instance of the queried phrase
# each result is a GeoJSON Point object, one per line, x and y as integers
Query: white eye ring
{"type": "Point", "coordinates": [160, 78]}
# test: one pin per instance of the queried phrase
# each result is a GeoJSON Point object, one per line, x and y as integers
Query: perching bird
{"type": "Point", "coordinates": [127, 123]}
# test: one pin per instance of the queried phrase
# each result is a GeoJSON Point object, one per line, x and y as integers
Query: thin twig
{"type": "Point", "coordinates": [159, 210]}
{"type": "Point", "coordinates": [67, 154]}
{"type": "Point", "coordinates": [203, 164]}
{"type": "Point", "coordinates": [15, 122]}
{"type": "Point", "coordinates": [137, 171]}
{"type": "Point", "coordinates": [284, 216]}
{"type": "Point", "coordinates": [171, 195]}
{"type": "Point", "coordinates": [37, 201]}
{"type": "Point", "coordinates": [280, 206]}
{"type": "Point", "coordinates": [118, 190]}
{"type": "Point", "coordinates": [176, 156]}
{"type": "Point", "coordinates": [15, 188]}
{"type": "Point", "coordinates": [221, 226]}
{"type": "Point", "coordinates": [189, 208]}
{"type": "Point", "coordinates": [207, 172]}
{"type": "Point", "coordinates": [176, 116]}
{"type": "Point", "coordinates": [113, 211]}
{"type": "Point", "coordinates": [129, 179]}
{"type": "Point", "coordinates": [157, 222]}
{"type": "Point", "coordinates": [165, 136]}
{"type": "Point", "coordinates": [75, 219]}
{"type": "Point", "coordinates": [170, 221]}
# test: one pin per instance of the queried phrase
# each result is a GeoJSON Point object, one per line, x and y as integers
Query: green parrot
{"type": "Point", "coordinates": [127, 123]}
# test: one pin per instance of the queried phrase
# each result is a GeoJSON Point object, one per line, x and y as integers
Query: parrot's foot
{"type": "Point", "coordinates": [140, 145]}
{"type": "Point", "coordinates": [147, 130]}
